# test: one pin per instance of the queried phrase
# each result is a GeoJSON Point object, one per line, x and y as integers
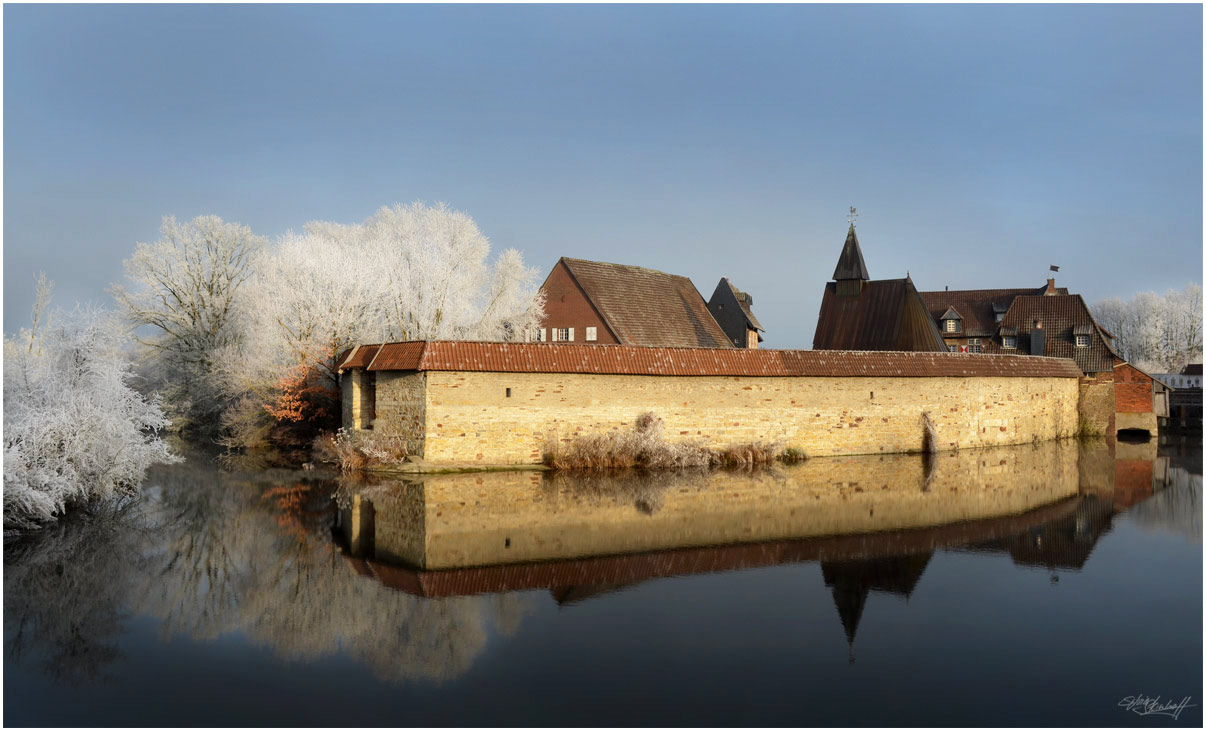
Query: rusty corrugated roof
{"type": "Point", "coordinates": [358, 357]}
{"type": "Point", "coordinates": [635, 360]}
{"type": "Point", "coordinates": [647, 307]}
{"type": "Point", "coordinates": [886, 314]}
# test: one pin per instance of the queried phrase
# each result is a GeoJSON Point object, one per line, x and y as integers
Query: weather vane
{"type": "Point", "coordinates": [853, 215]}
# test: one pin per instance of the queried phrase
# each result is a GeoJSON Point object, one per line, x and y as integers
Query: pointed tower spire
{"type": "Point", "coordinates": [850, 264]}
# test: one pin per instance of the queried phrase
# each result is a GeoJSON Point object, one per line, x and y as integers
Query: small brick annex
{"type": "Point", "coordinates": [506, 403]}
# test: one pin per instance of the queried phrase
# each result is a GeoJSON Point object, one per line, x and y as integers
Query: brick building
{"type": "Point", "coordinates": [614, 304]}
{"type": "Point", "coordinates": [1050, 321]}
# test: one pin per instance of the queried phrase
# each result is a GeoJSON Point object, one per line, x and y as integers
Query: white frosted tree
{"type": "Point", "coordinates": [1157, 333]}
{"type": "Point", "coordinates": [184, 291]}
{"type": "Point", "coordinates": [74, 429]}
{"type": "Point", "coordinates": [406, 273]}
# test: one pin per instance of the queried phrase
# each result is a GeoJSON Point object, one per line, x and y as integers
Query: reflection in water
{"type": "Point", "coordinates": [65, 589]}
{"type": "Point", "coordinates": [210, 554]}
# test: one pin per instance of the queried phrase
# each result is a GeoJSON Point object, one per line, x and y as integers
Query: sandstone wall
{"type": "Point", "coordinates": [402, 407]}
{"type": "Point", "coordinates": [470, 417]}
{"type": "Point", "coordinates": [1097, 405]}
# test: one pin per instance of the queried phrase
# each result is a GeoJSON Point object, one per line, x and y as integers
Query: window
{"type": "Point", "coordinates": [563, 334]}
{"type": "Point", "coordinates": [592, 334]}
{"type": "Point", "coordinates": [953, 348]}
{"type": "Point", "coordinates": [952, 326]}
{"type": "Point", "coordinates": [1009, 342]}
{"type": "Point", "coordinates": [974, 346]}
{"type": "Point", "coordinates": [538, 335]}
{"type": "Point", "coordinates": [1000, 316]}
{"type": "Point", "coordinates": [1082, 341]}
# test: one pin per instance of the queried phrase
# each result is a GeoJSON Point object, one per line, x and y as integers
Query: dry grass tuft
{"type": "Point", "coordinates": [645, 447]}
{"type": "Point", "coordinates": [354, 451]}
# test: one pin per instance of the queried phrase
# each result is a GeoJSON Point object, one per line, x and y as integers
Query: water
{"type": "Point", "coordinates": [1036, 585]}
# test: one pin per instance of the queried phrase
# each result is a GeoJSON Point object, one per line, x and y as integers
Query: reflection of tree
{"type": "Point", "coordinates": [1177, 509]}
{"type": "Point", "coordinates": [210, 553]}
{"type": "Point", "coordinates": [256, 556]}
{"type": "Point", "coordinates": [65, 588]}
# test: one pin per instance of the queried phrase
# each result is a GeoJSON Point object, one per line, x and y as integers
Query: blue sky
{"type": "Point", "coordinates": [979, 143]}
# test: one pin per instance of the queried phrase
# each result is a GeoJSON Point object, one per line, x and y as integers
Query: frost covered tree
{"type": "Point", "coordinates": [74, 429]}
{"type": "Point", "coordinates": [1157, 333]}
{"type": "Point", "coordinates": [185, 289]}
{"type": "Point", "coordinates": [406, 273]}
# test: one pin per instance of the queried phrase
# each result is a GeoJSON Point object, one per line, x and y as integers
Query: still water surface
{"type": "Point", "coordinates": [1035, 585]}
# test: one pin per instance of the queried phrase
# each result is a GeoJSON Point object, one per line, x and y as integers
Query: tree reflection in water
{"type": "Point", "coordinates": [65, 590]}
{"type": "Point", "coordinates": [209, 553]}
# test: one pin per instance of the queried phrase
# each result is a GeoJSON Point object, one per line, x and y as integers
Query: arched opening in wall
{"type": "Point", "coordinates": [1134, 436]}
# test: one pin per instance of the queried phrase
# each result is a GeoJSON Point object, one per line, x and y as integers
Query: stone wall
{"type": "Point", "coordinates": [402, 407]}
{"type": "Point", "coordinates": [471, 418]}
{"type": "Point", "coordinates": [1097, 404]}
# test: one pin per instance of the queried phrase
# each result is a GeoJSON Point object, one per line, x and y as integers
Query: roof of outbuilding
{"type": "Point", "coordinates": [358, 357]}
{"type": "Point", "coordinates": [635, 360]}
{"type": "Point", "coordinates": [886, 314]}
{"type": "Point", "coordinates": [647, 307]}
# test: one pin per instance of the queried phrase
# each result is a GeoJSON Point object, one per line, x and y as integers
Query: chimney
{"type": "Point", "coordinates": [1038, 339]}
{"type": "Point", "coordinates": [948, 288]}
{"type": "Point", "coordinates": [1050, 286]}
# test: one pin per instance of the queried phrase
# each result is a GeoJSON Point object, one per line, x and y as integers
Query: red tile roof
{"type": "Point", "coordinates": [635, 360]}
{"type": "Point", "coordinates": [647, 307]}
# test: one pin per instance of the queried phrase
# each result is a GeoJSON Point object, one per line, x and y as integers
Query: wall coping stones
{"type": "Point", "coordinates": [449, 355]}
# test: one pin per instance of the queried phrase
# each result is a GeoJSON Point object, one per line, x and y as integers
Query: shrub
{"type": "Point", "coordinates": [645, 447]}
{"type": "Point", "coordinates": [354, 451]}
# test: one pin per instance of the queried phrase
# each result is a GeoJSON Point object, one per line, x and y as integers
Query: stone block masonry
{"type": "Point", "coordinates": [497, 404]}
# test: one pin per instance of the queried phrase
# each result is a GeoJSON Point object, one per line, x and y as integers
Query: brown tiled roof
{"type": "Point", "coordinates": [628, 569]}
{"type": "Point", "coordinates": [886, 314]}
{"type": "Point", "coordinates": [1062, 316]}
{"type": "Point", "coordinates": [647, 307]}
{"type": "Point", "coordinates": [975, 306]}
{"type": "Point", "coordinates": [633, 360]}
{"type": "Point", "coordinates": [358, 357]}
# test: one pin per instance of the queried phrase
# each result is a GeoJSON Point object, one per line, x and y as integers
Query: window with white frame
{"type": "Point", "coordinates": [953, 348]}
{"type": "Point", "coordinates": [1082, 341]}
{"type": "Point", "coordinates": [563, 334]}
{"type": "Point", "coordinates": [538, 335]}
{"type": "Point", "coordinates": [952, 326]}
{"type": "Point", "coordinates": [974, 346]}
{"type": "Point", "coordinates": [592, 334]}
{"type": "Point", "coordinates": [1009, 342]}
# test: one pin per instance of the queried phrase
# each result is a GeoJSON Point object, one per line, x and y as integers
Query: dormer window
{"type": "Point", "coordinates": [1009, 342]}
{"type": "Point", "coordinates": [951, 326]}
{"type": "Point", "coordinates": [1082, 341]}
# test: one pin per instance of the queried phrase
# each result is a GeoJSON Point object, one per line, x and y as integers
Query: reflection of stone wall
{"type": "Point", "coordinates": [510, 517]}
{"type": "Point", "coordinates": [470, 417]}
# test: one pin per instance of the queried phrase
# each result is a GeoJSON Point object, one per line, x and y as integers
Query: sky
{"type": "Point", "coordinates": [980, 144]}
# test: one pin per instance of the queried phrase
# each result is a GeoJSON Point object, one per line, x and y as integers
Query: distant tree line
{"type": "Point", "coordinates": [1158, 333]}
